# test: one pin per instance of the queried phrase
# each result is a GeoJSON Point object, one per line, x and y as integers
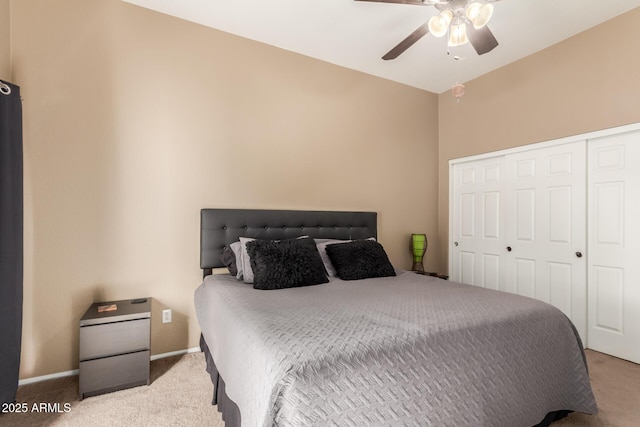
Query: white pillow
{"type": "Point", "coordinates": [236, 247]}
{"type": "Point", "coordinates": [247, 272]}
{"type": "Point", "coordinates": [321, 244]}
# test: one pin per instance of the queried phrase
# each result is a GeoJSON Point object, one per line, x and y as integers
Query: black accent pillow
{"type": "Point", "coordinates": [285, 263]}
{"type": "Point", "coordinates": [360, 259]}
{"type": "Point", "coordinates": [228, 258]}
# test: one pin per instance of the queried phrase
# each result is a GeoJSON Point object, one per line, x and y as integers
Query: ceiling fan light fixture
{"type": "Point", "coordinates": [479, 14]}
{"type": "Point", "coordinates": [458, 35]}
{"type": "Point", "coordinates": [451, 20]}
{"type": "Point", "coordinates": [439, 24]}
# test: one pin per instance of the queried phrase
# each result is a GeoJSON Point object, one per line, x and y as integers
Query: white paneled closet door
{"type": "Point", "coordinates": [614, 245]}
{"type": "Point", "coordinates": [477, 228]}
{"type": "Point", "coordinates": [545, 228]}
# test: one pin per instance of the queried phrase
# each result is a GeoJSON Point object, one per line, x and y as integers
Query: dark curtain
{"type": "Point", "coordinates": [10, 239]}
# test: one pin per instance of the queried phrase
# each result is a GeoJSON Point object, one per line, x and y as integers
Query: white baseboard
{"type": "Point", "coordinates": [48, 377]}
{"type": "Point", "coordinates": [175, 353]}
{"type": "Point", "coordinates": [76, 371]}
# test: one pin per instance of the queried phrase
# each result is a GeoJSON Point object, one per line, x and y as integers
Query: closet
{"type": "Point", "coordinates": [560, 222]}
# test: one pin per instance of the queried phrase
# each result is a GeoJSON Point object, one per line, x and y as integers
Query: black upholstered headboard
{"type": "Point", "coordinates": [221, 227]}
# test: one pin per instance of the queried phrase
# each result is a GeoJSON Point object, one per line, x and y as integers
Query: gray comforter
{"type": "Point", "coordinates": [406, 350]}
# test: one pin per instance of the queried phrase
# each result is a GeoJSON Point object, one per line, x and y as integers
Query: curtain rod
{"type": "Point", "coordinates": [5, 89]}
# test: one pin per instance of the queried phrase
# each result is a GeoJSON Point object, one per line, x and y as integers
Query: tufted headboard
{"type": "Point", "coordinates": [221, 227]}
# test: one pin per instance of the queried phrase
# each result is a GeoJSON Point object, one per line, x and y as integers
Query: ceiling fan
{"type": "Point", "coordinates": [464, 20]}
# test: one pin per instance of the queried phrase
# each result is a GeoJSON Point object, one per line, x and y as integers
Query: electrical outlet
{"type": "Point", "coordinates": [166, 316]}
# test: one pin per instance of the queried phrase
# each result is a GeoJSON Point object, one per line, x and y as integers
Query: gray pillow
{"type": "Point", "coordinates": [228, 258]}
{"type": "Point", "coordinates": [285, 263]}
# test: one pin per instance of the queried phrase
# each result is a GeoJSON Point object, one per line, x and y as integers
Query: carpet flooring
{"type": "Point", "coordinates": [180, 395]}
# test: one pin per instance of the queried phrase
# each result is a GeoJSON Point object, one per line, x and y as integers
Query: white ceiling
{"type": "Point", "coordinates": [355, 34]}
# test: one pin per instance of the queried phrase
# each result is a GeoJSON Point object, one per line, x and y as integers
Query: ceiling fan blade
{"type": "Point", "coordinates": [482, 40]}
{"type": "Point", "coordinates": [407, 42]}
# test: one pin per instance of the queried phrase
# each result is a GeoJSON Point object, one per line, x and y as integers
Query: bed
{"type": "Point", "coordinates": [398, 349]}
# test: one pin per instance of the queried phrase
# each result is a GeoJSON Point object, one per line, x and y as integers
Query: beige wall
{"type": "Point", "coordinates": [588, 82]}
{"type": "Point", "coordinates": [134, 121]}
{"type": "Point", "coordinates": [5, 40]}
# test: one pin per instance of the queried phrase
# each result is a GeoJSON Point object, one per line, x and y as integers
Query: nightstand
{"type": "Point", "coordinates": [115, 345]}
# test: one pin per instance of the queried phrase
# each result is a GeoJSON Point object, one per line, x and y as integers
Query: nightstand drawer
{"type": "Point", "coordinates": [114, 338]}
{"type": "Point", "coordinates": [114, 373]}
